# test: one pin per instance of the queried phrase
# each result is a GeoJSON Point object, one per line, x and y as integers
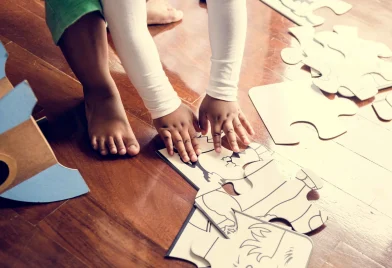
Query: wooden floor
{"type": "Point", "coordinates": [137, 205]}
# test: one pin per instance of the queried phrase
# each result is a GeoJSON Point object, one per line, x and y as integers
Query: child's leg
{"type": "Point", "coordinates": [84, 45]}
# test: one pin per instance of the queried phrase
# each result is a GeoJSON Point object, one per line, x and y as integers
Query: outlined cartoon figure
{"type": "Point", "coordinates": [226, 167]}
{"type": "Point", "coordinates": [255, 244]}
{"type": "Point", "coordinates": [272, 196]}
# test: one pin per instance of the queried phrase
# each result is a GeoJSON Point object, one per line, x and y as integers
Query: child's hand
{"type": "Point", "coordinates": [180, 128]}
{"type": "Point", "coordinates": [226, 116]}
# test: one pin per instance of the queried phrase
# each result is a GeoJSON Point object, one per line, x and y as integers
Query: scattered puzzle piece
{"type": "Point", "coordinates": [283, 104]}
{"type": "Point", "coordinates": [272, 196]}
{"type": "Point", "coordinates": [194, 226]}
{"type": "Point", "coordinates": [383, 108]}
{"type": "Point", "coordinates": [301, 12]}
{"type": "Point", "coordinates": [256, 244]}
{"type": "Point", "coordinates": [342, 62]}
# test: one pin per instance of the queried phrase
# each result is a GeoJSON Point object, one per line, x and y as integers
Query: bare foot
{"type": "Point", "coordinates": [108, 125]}
{"type": "Point", "coordinates": [161, 12]}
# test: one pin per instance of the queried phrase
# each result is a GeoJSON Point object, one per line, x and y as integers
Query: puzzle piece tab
{"type": "Point", "coordinates": [283, 104]}
{"type": "Point", "coordinates": [256, 244]}
{"type": "Point", "coordinates": [383, 107]}
{"type": "Point", "coordinates": [272, 196]}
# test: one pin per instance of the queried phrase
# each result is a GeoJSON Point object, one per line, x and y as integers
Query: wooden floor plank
{"type": "Point", "coordinates": [347, 256]}
{"type": "Point", "coordinates": [15, 233]}
{"type": "Point", "coordinates": [137, 205]}
{"type": "Point", "coordinates": [34, 6]}
{"type": "Point", "coordinates": [100, 240]}
{"type": "Point", "coordinates": [43, 252]}
{"type": "Point", "coordinates": [16, 24]}
{"type": "Point", "coordinates": [56, 92]}
{"type": "Point", "coordinates": [4, 40]}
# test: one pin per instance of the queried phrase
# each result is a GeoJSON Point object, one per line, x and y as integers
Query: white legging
{"type": "Point", "coordinates": [227, 21]}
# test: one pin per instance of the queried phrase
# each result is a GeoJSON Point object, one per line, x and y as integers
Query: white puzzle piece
{"type": "Point", "coordinates": [301, 12]}
{"type": "Point", "coordinates": [273, 196]}
{"type": "Point", "coordinates": [283, 104]}
{"type": "Point", "coordinates": [256, 244]}
{"type": "Point", "coordinates": [383, 108]}
{"type": "Point", "coordinates": [344, 62]}
{"type": "Point", "coordinates": [194, 226]}
{"type": "Point", "coordinates": [220, 168]}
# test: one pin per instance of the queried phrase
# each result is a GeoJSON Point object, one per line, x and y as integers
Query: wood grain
{"type": "Point", "coordinates": [137, 205]}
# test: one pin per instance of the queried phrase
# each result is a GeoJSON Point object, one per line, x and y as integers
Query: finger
{"type": "Point", "coordinates": [196, 146]}
{"type": "Point", "coordinates": [203, 122]}
{"type": "Point", "coordinates": [195, 141]}
{"type": "Point", "coordinates": [179, 144]}
{"type": "Point", "coordinates": [231, 136]}
{"type": "Point", "coordinates": [240, 130]}
{"type": "Point", "coordinates": [111, 146]}
{"type": "Point", "coordinates": [120, 145]}
{"type": "Point", "coordinates": [216, 131]}
{"type": "Point", "coordinates": [102, 146]}
{"type": "Point", "coordinates": [246, 124]}
{"type": "Point", "coordinates": [188, 146]}
{"type": "Point", "coordinates": [196, 123]}
{"type": "Point", "coordinates": [167, 139]}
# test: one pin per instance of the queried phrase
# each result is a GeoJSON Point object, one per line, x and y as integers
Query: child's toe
{"type": "Point", "coordinates": [102, 146]}
{"type": "Point", "coordinates": [132, 146]}
{"type": "Point", "coordinates": [94, 143]}
{"type": "Point", "coordinates": [120, 145]}
{"type": "Point", "coordinates": [111, 146]}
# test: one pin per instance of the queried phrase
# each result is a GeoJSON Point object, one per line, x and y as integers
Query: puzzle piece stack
{"type": "Point", "coordinates": [234, 231]}
{"type": "Point", "coordinates": [341, 61]}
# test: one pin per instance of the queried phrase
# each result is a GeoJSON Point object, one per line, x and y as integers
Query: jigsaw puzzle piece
{"type": "Point", "coordinates": [256, 244]}
{"type": "Point", "coordinates": [346, 31]}
{"type": "Point", "coordinates": [296, 102]}
{"type": "Point", "coordinates": [345, 92]}
{"type": "Point", "coordinates": [292, 55]}
{"type": "Point", "coordinates": [327, 125]}
{"type": "Point", "coordinates": [195, 226]}
{"type": "Point", "coordinates": [304, 36]}
{"type": "Point", "coordinates": [213, 167]}
{"type": "Point", "coordinates": [364, 88]}
{"type": "Point", "coordinates": [383, 108]}
{"type": "Point", "coordinates": [272, 196]}
{"type": "Point", "coordinates": [289, 200]}
{"type": "Point", "coordinates": [307, 9]}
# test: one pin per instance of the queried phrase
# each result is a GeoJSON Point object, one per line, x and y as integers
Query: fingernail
{"type": "Point", "coordinates": [198, 152]}
{"type": "Point", "coordinates": [218, 150]}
